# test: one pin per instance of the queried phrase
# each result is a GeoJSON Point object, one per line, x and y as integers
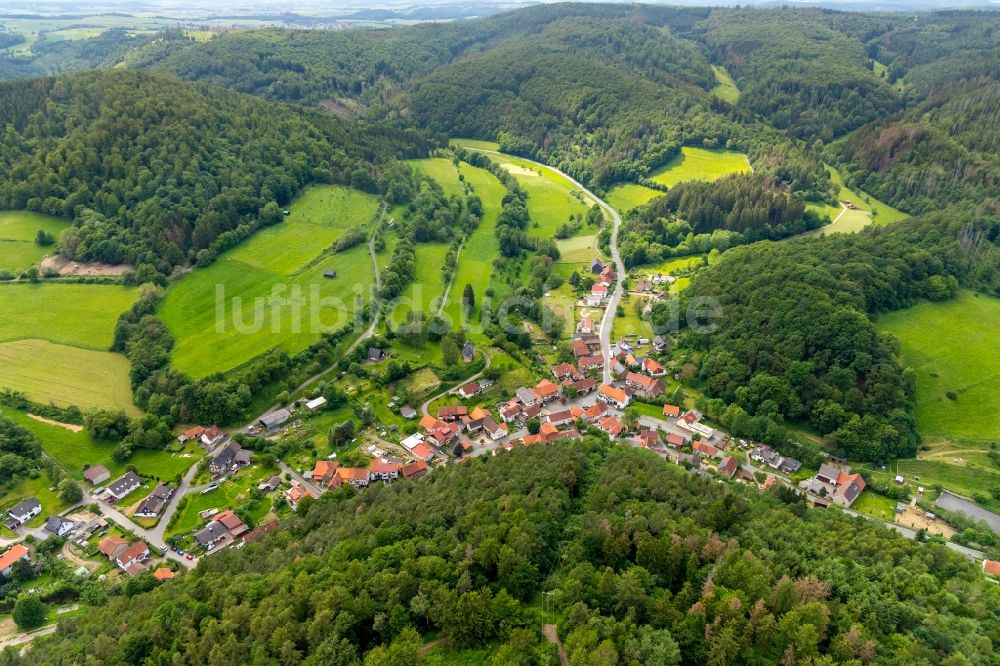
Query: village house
{"type": "Point", "coordinates": [596, 267]}
{"type": "Point", "coordinates": [586, 325]}
{"type": "Point", "coordinates": [607, 277]}
{"type": "Point", "coordinates": [260, 531]}
{"type": "Point", "coordinates": [231, 522]}
{"type": "Point", "coordinates": [412, 441]}
{"type": "Point", "coordinates": [659, 344]}
{"type": "Point", "coordinates": [296, 493]}
{"type": "Point", "coordinates": [213, 533]}
{"type": "Point", "coordinates": [612, 425]}
{"type": "Point", "coordinates": [677, 441]}
{"type": "Point", "coordinates": [580, 348]}
{"type": "Point", "coordinates": [375, 354]}
{"type": "Point", "coordinates": [112, 546]}
{"type": "Point", "coordinates": [124, 486]}
{"type": "Point", "coordinates": [358, 477]}
{"type": "Point", "coordinates": [648, 438]}
{"type": "Point", "coordinates": [691, 421]}
{"type": "Point", "coordinates": [565, 416]}
{"type": "Point", "coordinates": [671, 411]}
{"type": "Point", "coordinates": [450, 414]}
{"type": "Point", "coordinates": [643, 285]}
{"type": "Point", "coordinates": [496, 431]}
{"type": "Point", "coordinates": [12, 555]}
{"type": "Point", "coordinates": [324, 472]}
{"type": "Point", "coordinates": [510, 411]}
{"type": "Point", "coordinates": [422, 452]}
{"type": "Point", "coordinates": [191, 434]}
{"type": "Point", "coordinates": [212, 437]}
{"type": "Point", "coordinates": [527, 397]}
{"type": "Point", "coordinates": [163, 574]}
{"type": "Point", "coordinates": [645, 386]}
{"type": "Point", "coordinates": [841, 487]}
{"type": "Point", "coordinates": [270, 485]}
{"type": "Point", "coordinates": [152, 506]}
{"type": "Point", "coordinates": [547, 391]}
{"type": "Point", "coordinates": [468, 352]}
{"type": "Point", "coordinates": [229, 459]}
{"type": "Point", "coordinates": [594, 412]}
{"type": "Point", "coordinates": [599, 292]}
{"type": "Point", "coordinates": [22, 512]}
{"type": "Point", "coordinates": [653, 368]}
{"type": "Point", "coordinates": [415, 470]}
{"type": "Point", "coordinates": [132, 558]}
{"type": "Point", "coordinates": [590, 363]}
{"type": "Point", "coordinates": [585, 386]}
{"type": "Point", "coordinates": [566, 371]}
{"type": "Point", "coordinates": [613, 396]}
{"type": "Point", "coordinates": [469, 390]}
{"type": "Point", "coordinates": [381, 469]}
{"type": "Point", "coordinates": [706, 450]}
{"type": "Point", "coordinates": [59, 526]}
{"type": "Point", "coordinates": [617, 368]}
{"type": "Point", "coordinates": [96, 474]}
{"type": "Point", "coordinates": [728, 467]}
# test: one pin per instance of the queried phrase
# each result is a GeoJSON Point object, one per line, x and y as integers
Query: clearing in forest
{"type": "Point", "coordinates": [726, 89]}
{"type": "Point", "coordinates": [18, 230]}
{"type": "Point", "coordinates": [701, 164]}
{"type": "Point", "coordinates": [847, 219]}
{"type": "Point", "coordinates": [626, 196]}
{"type": "Point", "coordinates": [272, 291]}
{"type": "Point", "coordinates": [81, 315]}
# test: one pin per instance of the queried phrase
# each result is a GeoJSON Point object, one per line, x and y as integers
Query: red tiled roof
{"type": "Point", "coordinates": [358, 473]}
{"type": "Point", "coordinates": [380, 466]}
{"type": "Point", "coordinates": [163, 573]}
{"type": "Point", "coordinates": [992, 567]}
{"type": "Point", "coordinates": [109, 545]}
{"type": "Point", "coordinates": [546, 388]}
{"type": "Point", "coordinates": [671, 410]}
{"type": "Point", "coordinates": [136, 550]}
{"type": "Point", "coordinates": [676, 440]}
{"type": "Point", "coordinates": [415, 468]}
{"type": "Point", "coordinates": [229, 520]}
{"type": "Point", "coordinates": [13, 554]}
{"type": "Point", "coordinates": [194, 432]}
{"type": "Point", "coordinates": [615, 394]}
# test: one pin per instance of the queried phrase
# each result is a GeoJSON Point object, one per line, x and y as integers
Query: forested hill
{"type": "Point", "coordinates": [156, 170]}
{"type": "Point", "coordinates": [640, 562]}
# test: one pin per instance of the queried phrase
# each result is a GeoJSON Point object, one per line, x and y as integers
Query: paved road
{"type": "Point", "coordinates": [616, 294]}
{"type": "Point", "coordinates": [301, 479]}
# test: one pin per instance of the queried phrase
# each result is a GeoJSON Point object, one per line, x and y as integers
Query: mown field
{"type": "Point", "coordinates": [81, 315]}
{"type": "Point", "coordinates": [270, 291]}
{"type": "Point", "coordinates": [700, 164]}
{"type": "Point", "coordinates": [18, 229]}
{"type": "Point", "coordinates": [63, 375]}
{"type": "Point", "coordinates": [952, 347]}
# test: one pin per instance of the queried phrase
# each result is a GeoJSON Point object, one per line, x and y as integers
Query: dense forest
{"type": "Point", "coordinates": [696, 217]}
{"type": "Point", "coordinates": [797, 342]}
{"type": "Point", "coordinates": [52, 56]}
{"type": "Point", "coordinates": [154, 170]}
{"type": "Point", "coordinates": [640, 562]}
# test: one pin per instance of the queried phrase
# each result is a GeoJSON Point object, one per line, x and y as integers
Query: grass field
{"type": "Point", "coordinates": [578, 250]}
{"type": "Point", "coordinates": [701, 164]}
{"type": "Point", "coordinates": [626, 196]}
{"type": "Point", "coordinates": [73, 450]}
{"type": "Point", "coordinates": [270, 291]}
{"type": "Point", "coordinates": [82, 315]}
{"type": "Point", "coordinates": [18, 229]}
{"type": "Point", "coordinates": [230, 494]}
{"type": "Point", "coordinates": [428, 285]}
{"type": "Point", "coordinates": [63, 375]}
{"type": "Point", "coordinates": [952, 347]}
{"type": "Point", "coordinates": [552, 198]}
{"type": "Point", "coordinates": [475, 143]}
{"type": "Point", "coordinates": [475, 264]}
{"type": "Point", "coordinates": [726, 90]}
{"type": "Point", "coordinates": [443, 171]}
{"type": "Point", "coordinates": [869, 210]}
{"type": "Point", "coordinates": [41, 489]}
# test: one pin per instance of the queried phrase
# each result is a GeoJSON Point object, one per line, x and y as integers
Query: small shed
{"type": "Point", "coordinates": [329, 274]}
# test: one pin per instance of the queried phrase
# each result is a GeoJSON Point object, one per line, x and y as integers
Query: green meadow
{"type": "Point", "coordinates": [726, 89]}
{"type": "Point", "coordinates": [701, 164]}
{"type": "Point", "coordinates": [869, 210]}
{"type": "Point", "coordinates": [18, 229]}
{"type": "Point", "coordinates": [428, 284]}
{"type": "Point", "coordinates": [270, 291]}
{"type": "Point", "coordinates": [80, 315]}
{"type": "Point", "coordinates": [475, 263]}
{"type": "Point", "coordinates": [952, 347]}
{"type": "Point", "coordinates": [578, 249]}
{"type": "Point", "coordinates": [63, 375]}
{"type": "Point", "coordinates": [626, 196]}
{"type": "Point", "coordinates": [442, 171]}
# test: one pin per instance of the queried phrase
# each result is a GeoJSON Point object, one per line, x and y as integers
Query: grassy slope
{"type": "Point", "coordinates": [726, 90]}
{"type": "Point", "coordinates": [64, 375]}
{"type": "Point", "coordinates": [279, 261]}
{"type": "Point", "coordinates": [18, 229]}
{"type": "Point", "coordinates": [951, 346]}
{"type": "Point", "coordinates": [626, 196]}
{"type": "Point", "coordinates": [701, 164]}
{"type": "Point", "coordinates": [869, 210]}
{"type": "Point", "coordinates": [82, 315]}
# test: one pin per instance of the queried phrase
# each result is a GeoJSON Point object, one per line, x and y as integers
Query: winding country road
{"type": "Point", "coordinates": [616, 296]}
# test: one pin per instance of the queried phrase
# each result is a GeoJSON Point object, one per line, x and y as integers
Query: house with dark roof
{"type": "Point", "coordinates": [23, 511]}
{"type": "Point", "coordinates": [211, 534]}
{"type": "Point", "coordinates": [59, 526]}
{"type": "Point", "coordinates": [230, 458]}
{"type": "Point", "coordinates": [152, 506]}
{"type": "Point", "coordinates": [659, 344]}
{"type": "Point", "coordinates": [468, 352]}
{"type": "Point", "coordinates": [375, 354]}
{"type": "Point", "coordinates": [275, 419]}
{"type": "Point", "coordinates": [124, 486]}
